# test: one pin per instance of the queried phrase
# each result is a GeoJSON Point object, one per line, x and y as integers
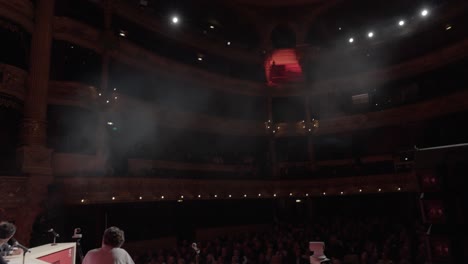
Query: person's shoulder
{"type": "Point", "coordinates": [93, 251]}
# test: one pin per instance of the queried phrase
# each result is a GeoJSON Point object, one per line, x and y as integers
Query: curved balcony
{"type": "Point", "coordinates": [12, 81]}
{"type": "Point", "coordinates": [92, 190]}
{"type": "Point", "coordinates": [72, 94]}
{"type": "Point", "coordinates": [21, 11]}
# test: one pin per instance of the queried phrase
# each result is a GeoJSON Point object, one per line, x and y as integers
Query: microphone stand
{"type": "Point", "coordinates": [79, 251]}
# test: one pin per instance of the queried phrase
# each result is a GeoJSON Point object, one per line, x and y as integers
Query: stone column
{"type": "Point", "coordinates": [107, 36]}
{"type": "Point", "coordinates": [310, 142]}
{"type": "Point", "coordinates": [271, 141]}
{"type": "Point", "coordinates": [33, 156]}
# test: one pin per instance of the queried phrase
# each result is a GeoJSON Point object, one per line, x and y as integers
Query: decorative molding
{"type": "Point", "coordinates": [13, 82]}
{"type": "Point", "coordinates": [72, 93]}
{"type": "Point", "coordinates": [34, 160]}
{"type": "Point", "coordinates": [101, 189]}
{"type": "Point", "coordinates": [19, 11]}
{"type": "Point", "coordinates": [13, 191]}
{"type": "Point", "coordinates": [73, 31]}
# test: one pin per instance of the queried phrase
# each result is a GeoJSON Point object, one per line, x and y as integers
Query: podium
{"type": "Point", "coordinates": [60, 253]}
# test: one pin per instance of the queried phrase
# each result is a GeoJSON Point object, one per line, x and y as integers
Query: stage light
{"type": "Point", "coordinates": [181, 197]}
{"type": "Point", "coordinates": [140, 198]}
{"type": "Point", "coordinates": [245, 195]}
{"type": "Point", "coordinates": [71, 47]}
{"type": "Point", "coordinates": [115, 98]}
{"type": "Point", "coordinates": [229, 196]}
{"type": "Point", "coordinates": [199, 196]}
{"type": "Point", "coordinates": [211, 26]}
{"type": "Point", "coordinates": [229, 43]}
{"type": "Point", "coordinates": [380, 190]}
{"type": "Point", "coordinates": [290, 194]}
{"type": "Point", "coordinates": [303, 126]}
{"type": "Point", "coordinates": [278, 128]}
{"type": "Point", "coordinates": [310, 129]}
{"type": "Point", "coordinates": [360, 190]}
{"type": "Point", "coordinates": [259, 194]}
{"type": "Point", "coordinates": [179, 201]}
{"type": "Point", "coordinates": [406, 159]}
{"type": "Point", "coordinates": [268, 126]}
{"type": "Point", "coordinates": [274, 195]}
{"type": "Point", "coordinates": [399, 189]}
{"type": "Point", "coordinates": [401, 23]}
{"type": "Point", "coordinates": [324, 193]}
{"type": "Point", "coordinates": [298, 201]}
{"type": "Point", "coordinates": [339, 28]}
{"type": "Point", "coordinates": [107, 101]}
{"type": "Point", "coordinates": [424, 12]}
{"type": "Point", "coordinates": [82, 200]}
{"type": "Point", "coordinates": [122, 33]}
{"type": "Point", "coordinates": [341, 193]}
{"type": "Point", "coordinates": [307, 194]}
{"type": "Point", "coordinates": [175, 20]}
{"type": "Point", "coordinates": [113, 198]}
{"type": "Point", "coordinates": [99, 94]}
{"type": "Point", "coordinates": [448, 27]}
{"type": "Point", "coordinates": [370, 34]}
{"type": "Point", "coordinates": [215, 196]}
{"type": "Point", "coordinates": [115, 89]}
{"type": "Point", "coordinates": [274, 131]}
{"type": "Point", "coordinates": [200, 58]}
{"type": "Point", "coordinates": [351, 40]}
{"type": "Point", "coordinates": [110, 123]}
{"type": "Point", "coordinates": [162, 197]}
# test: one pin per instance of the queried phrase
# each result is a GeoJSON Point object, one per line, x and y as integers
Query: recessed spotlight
{"type": "Point", "coordinates": [175, 20]}
{"type": "Point", "coordinates": [424, 12]}
{"type": "Point", "coordinates": [110, 123]}
{"type": "Point", "coordinates": [199, 196]}
{"type": "Point", "coordinates": [324, 193]}
{"type": "Point", "coordinates": [229, 43]}
{"type": "Point", "coordinates": [82, 200]}
{"type": "Point", "coordinates": [162, 197]}
{"type": "Point", "coordinates": [298, 201]}
{"type": "Point", "coordinates": [339, 28]}
{"type": "Point", "coordinates": [398, 189]}
{"type": "Point", "coordinates": [113, 198]}
{"type": "Point", "coordinates": [341, 193]}
{"type": "Point", "coordinates": [179, 201]}
{"type": "Point", "coordinates": [351, 40]}
{"type": "Point", "coordinates": [115, 98]}
{"type": "Point", "coordinates": [107, 101]}
{"type": "Point", "coordinates": [245, 195]}
{"type": "Point", "coordinates": [200, 58]}
{"type": "Point", "coordinates": [290, 194]}
{"type": "Point", "coordinates": [401, 23]}
{"type": "Point", "coordinates": [215, 196]}
{"type": "Point", "coordinates": [115, 89]}
{"type": "Point", "coordinates": [274, 195]}
{"type": "Point", "coordinates": [360, 190]}
{"type": "Point", "coordinates": [181, 197]}
{"type": "Point", "coordinates": [123, 33]}
{"type": "Point", "coordinates": [259, 194]}
{"type": "Point", "coordinates": [307, 194]}
{"type": "Point", "coordinates": [448, 27]}
{"type": "Point", "coordinates": [140, 197]}
{"type": "Point", "coordinates": [380, 190]}
{"type": "Point", "coordinates": [370, 34]}
{"type": "Point", "coordinates": [211, 26]}
{"type": "Point", "coordinates": [99, 94]}
{"type": "Point", "coordinates": [229, 196]}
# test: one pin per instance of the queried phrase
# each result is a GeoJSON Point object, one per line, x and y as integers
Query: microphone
{"type": "Point", "coordinates": [53, 232]}
{"type": "Point", "coordinates": [15, 243]}
{"type": "Point", "coordinates": [194, 246]}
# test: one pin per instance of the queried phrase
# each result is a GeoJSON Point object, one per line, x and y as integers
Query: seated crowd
{"type": "Point", "coordinates": [365, 241]}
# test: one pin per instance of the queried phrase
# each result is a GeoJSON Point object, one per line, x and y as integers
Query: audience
{"type": "Point", "coordinates": [366, 241]}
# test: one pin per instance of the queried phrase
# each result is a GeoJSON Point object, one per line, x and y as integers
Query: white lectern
{"type": "Point", "coordinates": [61, 253]}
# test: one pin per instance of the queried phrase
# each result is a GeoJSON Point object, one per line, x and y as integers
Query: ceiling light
{"type": "Point", "coordinates": [228, 43]}
{"type": "Point", "coordinates": [212, 27]}
{"type": "Point", "coordinates": [215, 195]}
{"type": "Point", "coordinates": [274, 195]}
{"type": "Point", "coordinates": [307, 194]}
{"type": "Point", "coordinates": [380, 190]}
{"type": "Point", "coordinates": [200, 58]}
{"type": "Point", "coordinates": [341, 193]}
{"type": "Point", "coordinates": [230, 196]}
{"type": "Point", "coordinates": [259, 194]}
{"type": "Point", "coordinates": [351, 40]}
{"type": "Point", "coordinates": [175, 20]}
{"type": "Point", "coordinates": [141, 198]}
{"type": "Point", "coordinates": [401, 23]}
{"type": "Point", "coordinates": [339, 28]}
{"type": "Point", "coordinates": [370, 34]}
{"type": "Point", "coordinates": [399, 189]}
{"type": "Point", "coordinates": [123, 33]}
{"type": "Point", "coordinates": [324, 193]}
{"type": "Point", "coordinates": [110, 123]}
{"type": "Point", "coordinates": [360, 190]}
{"type": "Point", "coordinates": [424, 12]}
{"type": "Point", "coordinates": [290, 194]}
{"type": "Point", "coordinates": [298, 201]}
{"type": "Point", "coordinates": [181, 197]}
{"type": "Point", "coordinates": [245, 195]}
{"type": "Point", "coordinates": [199, 196]}
{"type": "Point", "coordinates": [162, 197]}
{"type": "Point", "coordinates": [113, 198]}
{"type": "Point", "coordinates": [448, 27]}
{"type": "Point", "coordinates": [82, 200]}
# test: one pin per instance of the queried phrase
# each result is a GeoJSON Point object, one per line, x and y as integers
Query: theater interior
{"type": "Point", "coordinates": [248, 127]}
